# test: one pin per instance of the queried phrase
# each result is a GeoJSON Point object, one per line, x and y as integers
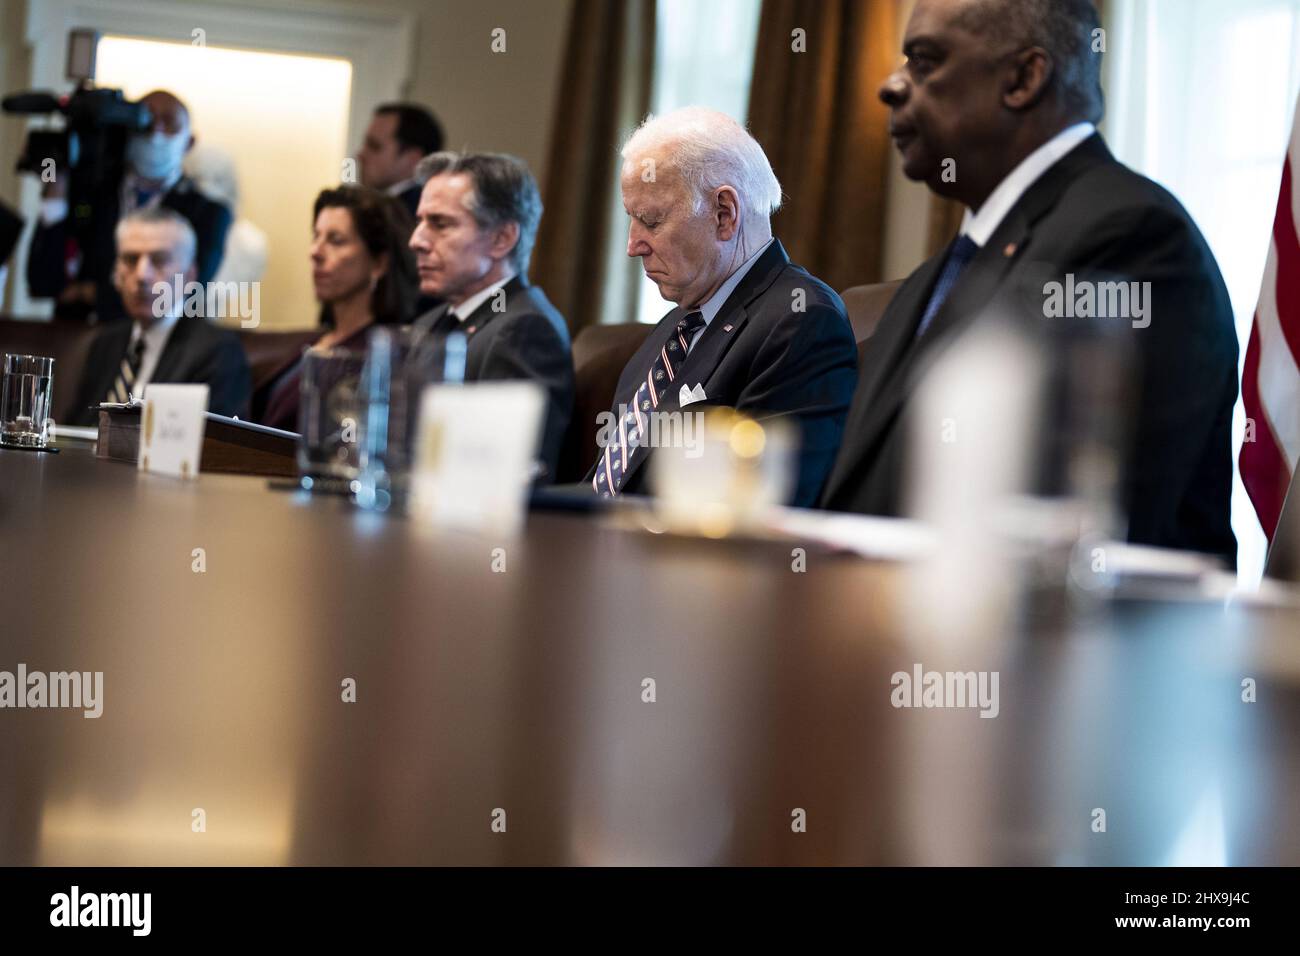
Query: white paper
{"type": "Point", "coordinates": [171, 429]}
{"type": "Point", "coordinates": [475, 447]}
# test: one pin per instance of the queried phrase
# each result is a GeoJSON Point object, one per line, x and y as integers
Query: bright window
{"type": "Point", "coordinates": [1201, 98]}
{"type": "Point", "coordinates": [704, 56]}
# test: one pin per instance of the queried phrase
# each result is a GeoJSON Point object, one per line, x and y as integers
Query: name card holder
{"type": "Point", "coordinates": [171, 430]}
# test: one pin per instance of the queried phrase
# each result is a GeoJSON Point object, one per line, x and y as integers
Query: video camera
{"type": "Point", "coordinates": [88, 154]}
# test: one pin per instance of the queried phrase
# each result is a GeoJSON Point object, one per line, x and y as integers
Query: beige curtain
{"type": "Point", "coordinates": [604, 92]}
{"type": "Point", "coordinates": [813, 107]}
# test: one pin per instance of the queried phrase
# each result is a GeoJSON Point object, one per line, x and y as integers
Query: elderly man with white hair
{"type": "Point", "coordinates": [750, 330]}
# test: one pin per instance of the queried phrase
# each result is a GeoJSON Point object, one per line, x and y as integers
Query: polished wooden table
{"type": "Point", "coordinates": [501, 714]}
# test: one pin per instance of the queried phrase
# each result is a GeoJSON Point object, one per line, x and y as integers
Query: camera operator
{"type": "Point", "coordinates": [153, 178]}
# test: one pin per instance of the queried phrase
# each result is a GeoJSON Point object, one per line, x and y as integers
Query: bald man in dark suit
{"type": "Point", "coordinates": [1004, 94]}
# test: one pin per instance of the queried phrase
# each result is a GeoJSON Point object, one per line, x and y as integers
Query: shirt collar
{"type": "Point", "coordinates": [980, 226]}
{"type": "Point", "coordinates": [467, 308]}
{"type": "Point", "coordinates": [719, 299]}
{"type": "Point", "coordinates": [398, 188]}
{"type": "Point", "coordinates": [157, 334]}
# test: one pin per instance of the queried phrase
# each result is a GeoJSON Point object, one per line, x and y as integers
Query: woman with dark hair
{"type": "Point", "coordinates": [363, 274]}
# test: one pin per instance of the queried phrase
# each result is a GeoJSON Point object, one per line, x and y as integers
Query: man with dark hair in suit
{"type": "Point", "coordinates": [155, 258]}
{"type": "Point", "coordinates": [750, 330]}
{"type": "Point", "coordinates": [154, 178]}
{"type": "Point", "coordinates": [995, 107]}
{"type": "Point", "coordinates": [398, 137]}
{"type": "Point", "coordinates": [477, 221]}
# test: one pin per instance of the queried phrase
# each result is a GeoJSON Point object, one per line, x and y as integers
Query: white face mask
{"type": "Point", "coordinates": [157, 155]}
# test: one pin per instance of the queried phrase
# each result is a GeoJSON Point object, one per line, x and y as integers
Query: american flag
{"type": "Point", "coordinates": [1270, 383]}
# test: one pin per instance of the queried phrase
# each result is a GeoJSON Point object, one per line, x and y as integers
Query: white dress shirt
{"type": "Point", "coordinates": [981, 225]}
{"type": "Point", "coordinates": [466, 308]}
{"type": "Point", "coordinates": [155, 340]}
{"type": "Point", "coordinates": [397, 189]}
{"type": "Point", "coordinates": [716, 301]}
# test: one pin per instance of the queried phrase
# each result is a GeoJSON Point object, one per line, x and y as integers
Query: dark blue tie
{"type": "Point", "coordinates": [961, 253]}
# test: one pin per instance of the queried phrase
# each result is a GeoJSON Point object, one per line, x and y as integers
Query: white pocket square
{"type": "Point", "coordinates": [689, 395]}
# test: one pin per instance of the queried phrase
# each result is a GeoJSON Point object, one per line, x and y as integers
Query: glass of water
{"type": "Point", "coordinates": [399, 364]}
{"type": "Point", "coordinates": [329, 419]}
{"type": "Point", "coordinates": [25, 400]}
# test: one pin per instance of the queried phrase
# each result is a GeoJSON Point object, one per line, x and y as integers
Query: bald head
{"type": "Point", "coordinates": [170, 115]}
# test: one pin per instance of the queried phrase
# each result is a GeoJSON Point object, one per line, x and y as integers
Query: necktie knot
{"type": "Point", "coordinates": [690, 323]}
{"type": "Point", "coordinates": [964, 249]}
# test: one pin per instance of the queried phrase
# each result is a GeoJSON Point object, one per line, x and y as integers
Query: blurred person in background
{"type": "Point", "coordinates": [154, 177]}
{"type": "Point", "coordinates": [398, 137]}
{"type": "Point", "coordinates": [212, 169]}
{"type": "Point", "coordinates": [363, 274]}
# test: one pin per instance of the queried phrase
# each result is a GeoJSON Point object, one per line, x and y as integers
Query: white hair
{"type": "Point", "coordinates": [709, 149]}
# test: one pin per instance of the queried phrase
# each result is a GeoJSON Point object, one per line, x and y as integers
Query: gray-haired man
{"type": "Point", "coordinates": [749, 330]}
{"type": "Point", "coordinates": [477, 219]}
{"type": "Point", "coordinates": [156, 254]}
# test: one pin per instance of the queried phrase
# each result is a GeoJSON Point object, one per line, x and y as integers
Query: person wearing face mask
{"type": "Point", "coordinates": [362, 273]}
{"type": "Point", "coordinates": [153, 177]}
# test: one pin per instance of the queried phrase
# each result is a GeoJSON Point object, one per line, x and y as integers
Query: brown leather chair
{"type": "Point", "coordinates": [866, 304]}
{"type": "Point", "coordinates": [269, 352]}
{"type": "Point", "coordinates": [68, 343]}
{"type": "Point", "coordinates": [600, 353]}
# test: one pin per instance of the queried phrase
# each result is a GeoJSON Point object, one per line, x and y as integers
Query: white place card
{"type": "Point", "coordinates": [475, 448]}
{"type": "Point", "coordinates": [171, 429]}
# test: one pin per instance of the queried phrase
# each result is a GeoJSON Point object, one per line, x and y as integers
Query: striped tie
{"type": "Point", "coordinates": [126, 373]}
{"type": "Point", "coordinates": [633, 424]}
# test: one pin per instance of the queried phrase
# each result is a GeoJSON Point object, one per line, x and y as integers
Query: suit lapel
{"type": "Point", "coordinates": [726, 326]}
{"type": "Point", "coordinates": [894, 337]}
{"type": "Point", "coordinates": [707, 353]}
{"type": "Point", "coordinates": [173, 353]}
{"type": "Point", "coordinates": [484, 314]}
{"type": "Point", "coordinates": [114, 350]}
{"type": "Point", "coordinates": [891, 377]}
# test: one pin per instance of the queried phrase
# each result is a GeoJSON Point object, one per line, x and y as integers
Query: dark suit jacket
{"type": "Point", "coordinates": [210, 219]}
{"type": "Point", "coordinates": [1091, 216]}
{"type": "Point", "coordinates": [410, 197]}
{"type": "Point", "coordinates": [527, 340]}
{"type": "Point", "coordinates": [761, 356]}
{"type": "Point", "coordinates": [196, 352]}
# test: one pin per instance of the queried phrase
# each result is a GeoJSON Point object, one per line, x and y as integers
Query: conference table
{"type": "Point", "coordinates": [289, 679]}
